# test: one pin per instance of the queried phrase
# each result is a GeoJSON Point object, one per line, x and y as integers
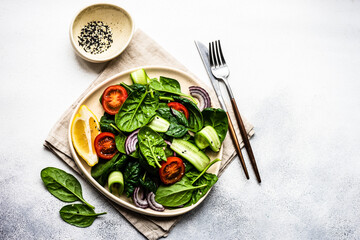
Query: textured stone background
{"type": "Point", "coordinates": [294, 69]}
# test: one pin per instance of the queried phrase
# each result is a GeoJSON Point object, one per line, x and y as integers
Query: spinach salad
{"type": "Point", "coordinates": [153, 140]}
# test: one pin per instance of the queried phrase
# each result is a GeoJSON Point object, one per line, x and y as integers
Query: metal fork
{"type": "Point", "coordinates": [220, 70]}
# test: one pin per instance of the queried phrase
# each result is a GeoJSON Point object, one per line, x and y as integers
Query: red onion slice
{"type": "Point", "coordinates": [131, 141]}
{"type": "Point", "coordinates": [202, 95]}
{"type": "Point", "coordinates": [153, 204]}
{"type": "Point", "coordinates": [139, 198]}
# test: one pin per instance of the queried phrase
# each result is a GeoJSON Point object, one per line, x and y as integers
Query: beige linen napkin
{"type": "Point", "coordinates": [142, 51]}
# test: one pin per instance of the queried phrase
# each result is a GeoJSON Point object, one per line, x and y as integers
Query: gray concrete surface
{"type": "Point", "coordinates": [294, 69]}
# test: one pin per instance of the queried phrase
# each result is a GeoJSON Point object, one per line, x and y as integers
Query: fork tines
{"type": "Point", "coordinates": [215, 59]}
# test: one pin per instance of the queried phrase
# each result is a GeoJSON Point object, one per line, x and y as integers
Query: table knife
{"type": "Point", "coordinates": [204, 54]}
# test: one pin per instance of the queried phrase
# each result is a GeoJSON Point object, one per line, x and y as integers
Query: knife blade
{"type": "Point", "coordinates": [204, 54]}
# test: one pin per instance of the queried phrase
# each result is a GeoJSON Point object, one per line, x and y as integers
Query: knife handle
{"type": "Point", "coordinates": [237, 145]}
{"type": "Point", "coordinates": [245, 139]}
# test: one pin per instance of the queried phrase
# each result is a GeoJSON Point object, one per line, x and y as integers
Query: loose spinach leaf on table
{"type": "Point", "coordinates": [132, 177]}
{"type": "Point", "coordinates": [101, 171]}
{"type": "Point", "coordinates": [62, 185]}
{"type": "Point", "coordinates": [195, 117]}
{"type": "Point", "coordinates": [217, 118]}
{"type": "Point", "coordinates": [137, 110]}
{"type": "Point", "coordinates": [151, 146]}
{"type": "Point", "coordinates": [79, 215]}
{"type": "Point", "coordinates": [170, 86]}
{"type": "Point", "coordinates": [177, 194]}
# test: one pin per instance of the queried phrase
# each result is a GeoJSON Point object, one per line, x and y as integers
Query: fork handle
{"type": "Point", "coordinates": [245, 139]}
{"type": "Point", "coordinates": [237, 145]}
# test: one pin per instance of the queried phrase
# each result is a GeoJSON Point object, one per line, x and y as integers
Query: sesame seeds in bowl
{"type": "Point", "coordinates": [101, 32]}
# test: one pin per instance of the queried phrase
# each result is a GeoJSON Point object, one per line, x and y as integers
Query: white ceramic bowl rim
{"type": "Point", "coordinates": [116, 53]}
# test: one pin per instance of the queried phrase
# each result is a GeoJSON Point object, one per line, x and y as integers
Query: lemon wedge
{"type": "Point", "coordinates": [84, 129]}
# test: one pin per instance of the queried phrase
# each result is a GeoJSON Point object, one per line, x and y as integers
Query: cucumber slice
{"type": "Point", "coordinates": [191, 153]}
{"type": "Point", "coordinates": [159, 124]}
{"type": "Point", "coordinates": [208, 137]}
{"type": "Point", "coordinates": [116, 182]}
{"type": "Point", "coordinates": [140, 77]}
{"type": "Point", "coordinates": [201, 142]}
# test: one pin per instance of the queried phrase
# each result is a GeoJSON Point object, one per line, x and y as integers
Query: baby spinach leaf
{"type": "Point", "coordinates": [208, 179]}
{"type": "Point", "coordinates": [151, 146]}
{"type": "Point", "coordinates": [177, 194]}
{"type": "Point", "coordinates": [105, 123]}
{"type": "Point", "coordinates": [149, 183]}
{"type": "Point", "coordinates": [145, 165]}
{"type": "Point", "coordinates": [217, 118]}
{"type": "Point", "coordinates": [168, 152]}
{"type": "Point", "coordinates": [132, 88]}
{"type": "Point", "coordinates": [101, 171]}
{"type": "Point", "coordinates": [79, 215]}
{"type": "Point", "coordinates": [120, 140]}
{"type": "Point", "coordinates": [137, 110]}
{"type": "Point", "coordinates": [165, 112]}
{"type": "Point", "coordinates": [131, 177]}
{"type": "Point", "coordinates": [180, 117]}
{"type": "Point", "coordinates": [175, 129]}
{"type": "Point", "coordinates": [62, 185]}
{"type": "Point", "coordinates": [195, 117]}
{"type": "Point", "coordinates": [168, 85]}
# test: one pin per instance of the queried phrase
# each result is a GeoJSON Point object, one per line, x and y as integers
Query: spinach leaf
{"type": "Point", "coordinates": [195, 117]}
{"type": "Point", "coordinates": [151, 146]}
{"type": "Point", "coordinates": [105, 123]}
{"type": "Point", "coordinates": [132, 88]}
{"type": "Point", "coordinates": [177, 194]}
{"type": "Point", "coordinates": [62, 185]}
{"type": "Point", "coordinates": [180, 117]}
{"type": "Point", "coordinates": [149, 183]}
{"type": "Point", "coordinates": [101, 171]}
{"type": "Point", "coordinates": [152, 170]}
{"type": "Point", "coordinates": [79, 215]}
{"type": "Point", "coordinates": [175, 129]}
{"type": "Point", "coordinates": [208, 179]}
{"type": "Point", "coordinates": [168, 152]}
{"type": "Point", "coordinates": [137, 110]}
{"type": "Point", "coordinates": [120, 140]}
{"type": "Point", "coordinates": [168, 85]}
{"type": "Point", "coordinates": [217, 118]}
{"type": "Point", "coordinates": [131, 177]}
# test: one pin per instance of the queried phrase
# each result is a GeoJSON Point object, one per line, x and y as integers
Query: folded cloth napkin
{"type": "Point", "coordinates": [142, 51]}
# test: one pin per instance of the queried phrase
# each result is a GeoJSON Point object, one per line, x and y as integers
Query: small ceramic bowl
{"type": "Point", "coordinates": [101, 32]}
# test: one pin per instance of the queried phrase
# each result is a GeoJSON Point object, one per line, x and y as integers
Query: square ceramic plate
{"type": "Point", "coordinates": [91, 100]}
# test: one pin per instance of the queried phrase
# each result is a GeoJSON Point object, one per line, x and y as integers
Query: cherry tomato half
{"type": "Point", "coordinates": [179, 107]}
{"type": "Point", "coordinates": [172, 170]}
{"type": "Point", "coordinates": [113, 98]}
{"type": "Point", "coordinates": [105, 145]}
